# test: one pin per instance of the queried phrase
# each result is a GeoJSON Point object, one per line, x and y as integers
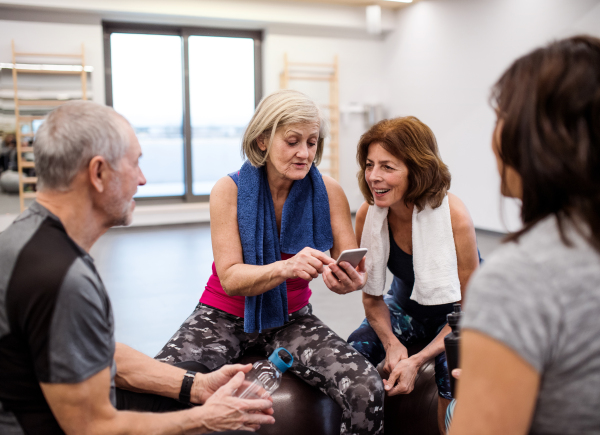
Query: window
{"type": "Point", "coordinates": [147, 89]}
{"type": "Point", "coordinates": [189, 94]}
{"type": "Point", "coordinates": [221, 103]}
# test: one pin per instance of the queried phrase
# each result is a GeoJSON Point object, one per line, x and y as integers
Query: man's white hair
{"type": "Point", "coordinates": [71, 136]}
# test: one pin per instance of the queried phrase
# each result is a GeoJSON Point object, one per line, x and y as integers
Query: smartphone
{"type": "Point", "coordinates": [352, 256]}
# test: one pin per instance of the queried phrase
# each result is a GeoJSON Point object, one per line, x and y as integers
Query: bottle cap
{"type": "Point", "coordinates": [281, 365]}
{"type": "Point", "coordinates": [454, 317]}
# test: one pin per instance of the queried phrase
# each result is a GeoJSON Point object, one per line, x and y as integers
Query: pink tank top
{"type": "Point", "coordinates": [298, 294]}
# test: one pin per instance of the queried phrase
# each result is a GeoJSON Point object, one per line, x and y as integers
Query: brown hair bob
{"type": "Point", "coordinates": [413, 142]}
{"type": "Point", "coordinates": [549, 103]}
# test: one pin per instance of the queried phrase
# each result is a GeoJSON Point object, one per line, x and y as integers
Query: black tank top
{"type": "Point", "coordinates": [401, 265]}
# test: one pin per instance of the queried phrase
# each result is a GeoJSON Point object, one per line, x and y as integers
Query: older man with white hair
{"type": "Point", "coordinates": [60, 369]}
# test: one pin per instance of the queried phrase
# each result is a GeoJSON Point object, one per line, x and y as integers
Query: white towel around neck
{"type": "Point", "coordinates": [434, 254]}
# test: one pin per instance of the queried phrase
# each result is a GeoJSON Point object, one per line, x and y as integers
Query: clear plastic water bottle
{"type": "Point", "coordinates": [265, 376]}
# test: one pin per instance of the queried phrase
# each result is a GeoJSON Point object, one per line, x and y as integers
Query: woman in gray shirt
{"type": "Point", "coordinates": [530, 353]}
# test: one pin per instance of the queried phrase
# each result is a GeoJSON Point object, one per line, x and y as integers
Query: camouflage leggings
{"type": "Point", "coordinates": [321, 359]}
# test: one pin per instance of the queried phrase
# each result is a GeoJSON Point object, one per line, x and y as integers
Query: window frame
{"type": "Point", "coordinates": [110, 27]}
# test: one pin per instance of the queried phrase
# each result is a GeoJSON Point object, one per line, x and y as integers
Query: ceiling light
{"type": "Point", "coordinates": [400, 1]}
{"type": "Point", "coordinates": [374, 19]}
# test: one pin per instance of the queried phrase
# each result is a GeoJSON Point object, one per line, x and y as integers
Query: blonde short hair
{"type": "Point", "coordinates": [276, 110]}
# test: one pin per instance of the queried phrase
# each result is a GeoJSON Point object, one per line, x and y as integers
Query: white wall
{"type": "Point", "coordinates": [440, 63]}
{"type": "Point", "coordinates": [360, 82]}
{"type": "Point", "coordinates": [31, 36]}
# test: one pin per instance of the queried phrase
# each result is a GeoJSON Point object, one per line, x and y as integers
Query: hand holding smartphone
{"type": "Point", "coordinates": [352, 256]}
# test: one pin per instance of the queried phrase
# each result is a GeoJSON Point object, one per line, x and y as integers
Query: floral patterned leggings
{"type": "Point", "coordinates": [321, 358]}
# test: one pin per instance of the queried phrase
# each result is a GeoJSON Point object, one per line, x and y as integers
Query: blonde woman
{"type": "Point", "coordinates": [271, 223]}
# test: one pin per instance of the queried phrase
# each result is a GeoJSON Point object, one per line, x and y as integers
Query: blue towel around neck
{"type": "Point", "coordinates": [305, 221]}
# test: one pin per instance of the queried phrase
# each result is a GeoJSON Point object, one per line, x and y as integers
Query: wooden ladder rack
{"type": "Point", "coordinates": [328, 72]}
{"type": "Point", "coordinates": [21, 121]}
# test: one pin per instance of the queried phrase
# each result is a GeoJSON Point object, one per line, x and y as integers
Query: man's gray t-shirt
{"type": "Point", "coordinates": [541, 298]}
{"type": "Point", "coordinates": [56, 322]}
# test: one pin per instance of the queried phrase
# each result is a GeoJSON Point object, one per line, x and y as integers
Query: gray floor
{"type": "Point", "coordinates": [9, 203]}
{"type": "Point", "coordinates": [155, 277]}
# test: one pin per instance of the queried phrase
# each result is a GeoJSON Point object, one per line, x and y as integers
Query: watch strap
{"type": "Point", "coordinates": [186, 387]}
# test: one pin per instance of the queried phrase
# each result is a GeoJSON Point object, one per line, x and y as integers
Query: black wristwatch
{"type": "Point", "coordinates": [186, 387]}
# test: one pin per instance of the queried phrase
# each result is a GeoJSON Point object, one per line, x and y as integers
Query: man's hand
{"type": "Point", "coordinates": [85, 408]}
{"type": "Point", "coordinates": [223, 412]}
{"type": "Point", "coordinates": [402, 378]}
{"type": "Point", "coordinates": [205, 385]}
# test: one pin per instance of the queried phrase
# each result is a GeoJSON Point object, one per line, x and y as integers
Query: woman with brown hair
{"type": "Point", "coordinates": [426, 238]}
{"type": "Point", "coordinates": [530, 341]}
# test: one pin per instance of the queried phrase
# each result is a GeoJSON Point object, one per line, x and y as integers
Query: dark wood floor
{"type": "Point", "coordinates": [156, 275]}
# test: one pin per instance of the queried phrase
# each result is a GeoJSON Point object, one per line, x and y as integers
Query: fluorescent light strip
{"type": "Point", "coordinates": [400, 1]}
{"type": "Point", "coordinates": [39, 67]}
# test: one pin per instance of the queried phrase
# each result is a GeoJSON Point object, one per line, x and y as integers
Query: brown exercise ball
{"type": "Point", "coordinates": [305, 410]}
{"type": "Point", "coordinates": [414, 413]}
{"type": "Point", "coordinates": [299, 408]}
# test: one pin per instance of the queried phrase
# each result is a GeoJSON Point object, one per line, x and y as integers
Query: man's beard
{"type": "Point", "coordinates": [118, 212]}
{"type": "Point", "coordinates": [123, 219]}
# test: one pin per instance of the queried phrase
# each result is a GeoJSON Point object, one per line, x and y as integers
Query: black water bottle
{"type": "Point", "coordinates": [451, 342]}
